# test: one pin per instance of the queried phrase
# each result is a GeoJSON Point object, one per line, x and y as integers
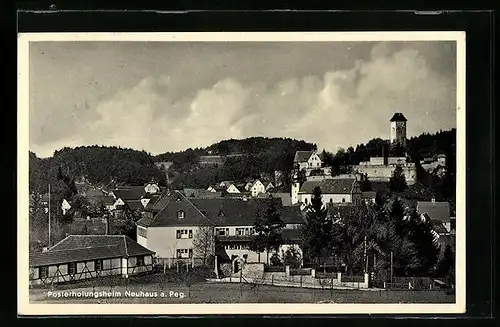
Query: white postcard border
{"type": "Point", "coordinates": [26, 308]}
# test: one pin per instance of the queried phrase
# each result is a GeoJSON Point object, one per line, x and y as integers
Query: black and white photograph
{"type": "Point", "coordinates": [241, 172]}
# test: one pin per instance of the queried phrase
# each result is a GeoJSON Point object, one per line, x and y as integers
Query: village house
{"type": "Point", "coordinates": [171, 230]}
{"type": "Point", "coordinates": [79, 257]}
{"type": "Point", "coordinates": [333, 190]}
{"type": "Point", "coordinates": [257, 188]}
{"type": "Point", "coordinates": [135, 196]}
{"type": "Point", "coordinates": [65, 206]}
{"type": "Point", "coordinates": [436, 165]}
{"type": "Point", "coordinates": [438, 213]}
{"type": "Point", "coordinates": [311, 163]}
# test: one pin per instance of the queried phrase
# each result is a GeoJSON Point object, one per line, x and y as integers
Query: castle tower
{"type": "Point", "coordinates": [398, 129]}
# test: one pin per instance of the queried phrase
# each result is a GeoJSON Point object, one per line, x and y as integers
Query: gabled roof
{"type": "Point", "coordinates": [217, 211]}
{"type": "Point", "coordinates": [130, 193]}
{"type": "Point", "coordinates": [134, 205]}
{"type": "Point", "coordinates": [301, 156]}
{"type": "Point", "coordinates": [168, 214]}
{"type": "Point", "coordinates": [398, 117]}
{"type": "Point", "coordinates": [286, 198]}
{"type": "Point", "coordinates": [368, 195]}
{"type": "Point", "coordinates": [331, 186]}
{"type": "Point", "coordinates": [435, 210]}
{"type": "Point", "coordinates": [152, 201]}
{"type": "Point", "coordinates": [93, 192]}
{"type": "Point", "coordinates": [76, 248]}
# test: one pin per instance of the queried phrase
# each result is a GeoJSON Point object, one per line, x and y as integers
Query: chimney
{"type": "Point", "coordinates": [45, 249]}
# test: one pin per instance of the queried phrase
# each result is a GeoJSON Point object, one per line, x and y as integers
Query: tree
{"type": "Point", "coordinates": [204, 243]}
{"type": "Point", "coordinates": [38, 224]}
{"type": "Point", "coordinates": [398, 181]}
{"type": "Point", "coordinates": [267, 227]}
{"type": "Point", "coordinates": [292, 257]}
{"type": "Point", "coordinates": [317, 232]}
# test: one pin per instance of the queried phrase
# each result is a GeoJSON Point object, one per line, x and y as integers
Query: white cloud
{"type": "Point", "coordinates": [339, 109]}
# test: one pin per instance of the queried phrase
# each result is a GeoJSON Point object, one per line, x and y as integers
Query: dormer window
{"type": "Point", "coordinates": [180, 214]}
{"type": "Point", "coordinates": [178, 199]}
{"type": "Point", "coordinates": [221, 214]}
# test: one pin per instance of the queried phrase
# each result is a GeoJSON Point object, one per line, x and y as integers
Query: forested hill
{"type": "Point", "coordinates": [99, 164]}
{"type": "Point", "coordinates": [252, 145]}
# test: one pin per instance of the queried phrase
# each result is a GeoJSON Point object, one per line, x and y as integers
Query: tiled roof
{"type": "Point", "coordinates": [435, 210]}
{"type": "Point", "coordinates": [198, 193]}
{"type": "Point", "coordinates": [301, 156]}
{"type": "Point", "coordinates": [216, 211]}
{"type": "Point", "coordinates": [369, 195]}
{"type": "Point", "coordinates": [130, 193]}
{"type": "Point", "coordinates": [134, 204]}
{"type": "Point", "coordinates": [439, 227]}
{"type": "Point", "coordinates": [88, 247]}
{"type": "Point", "coordinates": [152, 201]}
{"type": "Point", "coordinates": [286, 198]}
{"type": "Point", "coordinates": [398, 117]}
{"type": "Point", "coordinates": [331, 186]}
{"type": "Point", "coordinates": [93, 192]}
{"type": "Point", "coordinates": [172, 205]}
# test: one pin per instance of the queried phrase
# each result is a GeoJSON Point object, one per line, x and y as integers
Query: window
{"type": "Point", "coordinates": [98, 265]}
{"type": "Point", "coordinates": [242, 231]}
{"type": "Point", "coordinates": [184, 233]}
{"type": "Point", "coordinates": [331, 200]}
{"type": "Point", "coordinates": [140, 261]}
{"type": "Point", "coordinates": [180, 214]}
{"type": "Point", "coordinates": [141, 232]}
{"type": "Point", "coordinates": [306, 201]}
{"type": "Point", "coordinates": [72, 268]}
{"type": "Point", "coordinates": [343, 200]}
{"type": "Point", "coordinates": [43, 272]}
{"type": "Point", "coordinates": [222, 231]}
{"type": "Point", "coordinates": [184, 253]}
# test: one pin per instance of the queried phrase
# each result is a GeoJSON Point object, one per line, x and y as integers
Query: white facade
{"type": "Point", "coordinates": [152, 188]}
{"type": "Point", "coordinates": [232, 189]}
{"type": "Point", "coordinates": [257, 188]}
{"type": "Point", "coordinates": [65, 206]}
{"type": "Point", "coordinates": [332, 198]}
{"type": "Point", "coordinates": [398, 132]}
{"type": "Point", "coordinates": [295, 192]}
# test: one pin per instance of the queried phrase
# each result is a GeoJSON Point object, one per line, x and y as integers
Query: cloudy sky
{"type": "Point", "coordinates": [166, 96]}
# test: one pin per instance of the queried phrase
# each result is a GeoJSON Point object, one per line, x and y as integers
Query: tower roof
{"type": "Point", "coordinates": [398, 117]}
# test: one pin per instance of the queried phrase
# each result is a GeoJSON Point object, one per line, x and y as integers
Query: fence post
{"type": "Point", "coordinates": [300, 280]}
{"type": "Point", "coordinates": [287, 270]}
{"type": "Point", "coordinates": [272, 279]}
{"type": "Point", "coordinates": [339, 277]}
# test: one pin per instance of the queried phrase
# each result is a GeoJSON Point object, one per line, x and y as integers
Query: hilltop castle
{"type": "Point", "coordinates": [380, 169]}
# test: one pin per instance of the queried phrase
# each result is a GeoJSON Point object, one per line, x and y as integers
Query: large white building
{"type": "Point", "coordinates": [339, 189]}
{"type": "Point", "coordinates": [381, 169]}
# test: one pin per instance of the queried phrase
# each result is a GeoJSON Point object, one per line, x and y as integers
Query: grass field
{"type": "Point", "coordinates": [201, 292]}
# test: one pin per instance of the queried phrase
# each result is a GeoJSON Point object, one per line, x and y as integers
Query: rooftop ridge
{"type": "Point", "coordinates": [82, 248]}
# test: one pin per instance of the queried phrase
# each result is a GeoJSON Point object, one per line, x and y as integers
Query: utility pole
{"type": "Point", "coordinates": [49, 218]}
{"type": "Point", "coordinates": [365, 258]}
{"type": "Point", "coordinates": [391, 267]}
